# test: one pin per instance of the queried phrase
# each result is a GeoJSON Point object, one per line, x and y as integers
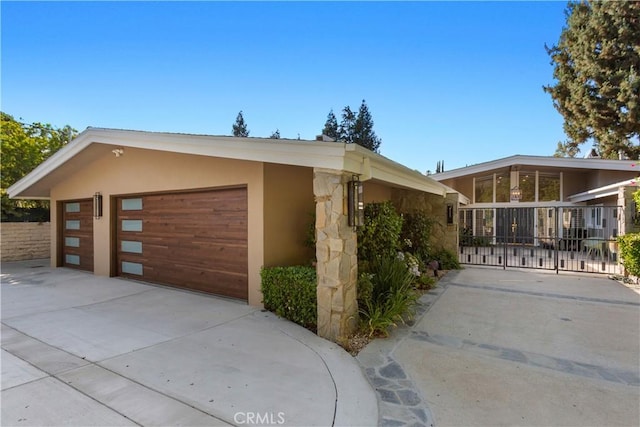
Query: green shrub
{"type": "Point", "coordinates": [416, 232]}
{"type": "Point", "coordinates": [630, 252]}
{"type": "Point", "coordinates": [290, 292]}
{"type": "Point", "coordinates": [447, 259]}
{"type": "Point", "coordinates": [425, 282]}
{"type": "Point", "coordinates": [386, 295]}
{"type": "Point", "coordinates": [380, 236]}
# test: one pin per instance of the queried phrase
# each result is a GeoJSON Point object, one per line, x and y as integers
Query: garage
{"type": "Point", "coordinates": [76, 230]}
{"type": "Point", "coordinates": [195, 240]}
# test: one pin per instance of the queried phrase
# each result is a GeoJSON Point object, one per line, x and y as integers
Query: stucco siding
{"type": "Point", "coordinates": [143, 171]}
{"type": "Point", "coordinates": [288, 214]}
{"type": "Point", "coordinates": [375, 192]}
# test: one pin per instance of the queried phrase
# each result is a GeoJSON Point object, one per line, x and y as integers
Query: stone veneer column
{"type": "Point", "coordinates": [625, 200]}
{"type": "Point", "coordinates": [336, 253]}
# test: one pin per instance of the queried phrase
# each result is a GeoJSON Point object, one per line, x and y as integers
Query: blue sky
{"type": "Point", "coordinates": [453, 81]}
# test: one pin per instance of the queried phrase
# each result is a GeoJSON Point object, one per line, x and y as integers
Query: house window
{"type": "Point", "coordinates": [484, 189]}
{"type": "Point", "coordinates": [548, 187]}
{"type": "Point", "coordinates": [503, 188]}
{"type": "Point", "coordinates": [527, 184]}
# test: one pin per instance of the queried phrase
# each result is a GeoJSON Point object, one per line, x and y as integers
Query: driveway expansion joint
{"type": "Point", "coordinates": [547, 295]}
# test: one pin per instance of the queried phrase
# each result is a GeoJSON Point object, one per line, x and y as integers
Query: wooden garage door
{"type": "Point", "coordinates": [194, 240]}
{"type": "Point", "coordinates": [77, 234]}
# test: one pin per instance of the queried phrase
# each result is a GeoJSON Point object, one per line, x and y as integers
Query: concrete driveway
{"type": "Point", "coordinates": [522, 348]}
{"type": "Point", "coordinates": [84, 350]}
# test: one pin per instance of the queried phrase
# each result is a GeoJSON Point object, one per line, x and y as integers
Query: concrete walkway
{"type": "Point", "coordinates": [84, 350]}
{"type": "Point", "coordinates": [492, 347]}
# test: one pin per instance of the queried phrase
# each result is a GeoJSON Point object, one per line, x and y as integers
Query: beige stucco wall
{"type": "Point", "coordinates": [375, 192]}
{"type": "Point", "coordinates": [288, 214]}
{"type": "Point", "coordinates": [141, 171]}
{"type": "Point", "coordinates": [24, 240]}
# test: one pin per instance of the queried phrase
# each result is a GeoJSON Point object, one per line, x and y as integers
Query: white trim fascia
{"type": "Point", "coordinates": [386, 170]}
{"type": "Point", "coordinates": [294, 152]}
{"type": "Point", "coordinates": [316, 154]}
{"type": "Point", "coordinates": [541, 161]}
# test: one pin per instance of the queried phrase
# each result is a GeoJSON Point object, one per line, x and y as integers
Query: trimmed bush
{"type": "Point", "coordinates": [290, 292]}
{"type": "Point", "coordinates": [630, 252]}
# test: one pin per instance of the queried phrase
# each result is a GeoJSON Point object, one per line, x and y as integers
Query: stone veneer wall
{"type": "Point", "coordinates": [336, 253]}
{"type": "Point", "coordinates": [625, 199]}
{"type": "Point", "coordinates": [25, 240]}
{"type": "Point", "coordinates": [443, 235]}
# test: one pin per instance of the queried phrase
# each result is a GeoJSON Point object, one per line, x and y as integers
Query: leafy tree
{"type": "Point", "coordinates": [363, 133]}
{"type": "Point", "coordinates": [240, 127]}
{"type": "Point", "coordinates": [275, 134]}
{"type": "Point", "coordinates": [597, 68]}
{"type": "Point", "coordinates": [331, 126]}
{"type": "Point", "coordinates": [25, 146]}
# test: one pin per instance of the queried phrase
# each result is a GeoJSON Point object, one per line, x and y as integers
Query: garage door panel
{"type": "Point", "coordinates": [195, 240]}
{"type": "Point", "coordinates": [160, 230]}
{"type": "Point", "coordinates": [77, 234]}
{"type": "Point", "coordinates": [234, 259]}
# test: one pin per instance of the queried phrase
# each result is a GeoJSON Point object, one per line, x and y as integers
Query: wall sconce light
{"type": "Point", "coordinates": [516, 194]}
{"type": "Point", "coordinates": [356, 202]}
{"type": "Point", "coordinates": [97, 206]}
{"type": "Point", "coordinates": [118, 152]}
{"type": "Point", "coordinates": [449, 213]}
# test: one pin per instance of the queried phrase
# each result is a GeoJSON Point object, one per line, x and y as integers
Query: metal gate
{"type": "Point", "coordinates": [580, 238]}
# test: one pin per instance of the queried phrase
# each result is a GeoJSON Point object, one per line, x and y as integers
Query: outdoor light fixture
{"type": "Point", "coordinates": [449, 213]}
{"type": "Point", "coordinates": [97, 206]}
{"type": "Point", "coordinates": [356, 202]}
{"type": "Point", "coordinates": [118, 152]}
{"type": "Point", "coordinates": [516, 194]}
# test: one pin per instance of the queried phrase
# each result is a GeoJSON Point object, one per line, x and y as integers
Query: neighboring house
{"type": "Point", "coordinates": [208, 212]}
{"type": "Point", "coordinates": [575, 205]}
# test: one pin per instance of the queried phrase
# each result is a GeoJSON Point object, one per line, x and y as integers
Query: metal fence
{"type": "Point", "coordinates": [553, 238]}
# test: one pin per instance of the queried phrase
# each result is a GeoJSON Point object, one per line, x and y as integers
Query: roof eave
{"type": "Point", "coordinates": [317, 154]}
{"type": "Point", "coordinates": [545, 161]}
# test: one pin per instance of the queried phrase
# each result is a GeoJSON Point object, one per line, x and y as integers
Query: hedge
{"type": "Point", "coordinates": [630, 253]}
{"type": "Point", "coordinates": [290, 292]}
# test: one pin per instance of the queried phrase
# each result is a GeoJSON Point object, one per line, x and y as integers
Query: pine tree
{"type": "Point", "coordinates": [331, 126]}
{"type": "Point", "coordinates": [363, 133]}
{"type": "Point", "coordinates": [275, 134]}
{"type": "Point", "coordinates": [597, 71]}
{"type": "Point", "coordinates": [240, 127]}
{"type": "Point", "coordinates": [347, 125]}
